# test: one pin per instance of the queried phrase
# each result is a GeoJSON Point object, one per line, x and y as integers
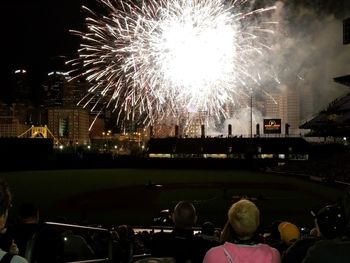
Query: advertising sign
{"type": "Point", "coordinates": [272, 126]}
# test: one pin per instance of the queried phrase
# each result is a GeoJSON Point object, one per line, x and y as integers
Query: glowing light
{"type": "Point", "coordinates": [163, 58]}
{"type": "Point", "coordinates": [22, 71]}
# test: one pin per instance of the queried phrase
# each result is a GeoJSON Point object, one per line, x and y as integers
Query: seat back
{"type": "Point", "coordinates": [156, 260]}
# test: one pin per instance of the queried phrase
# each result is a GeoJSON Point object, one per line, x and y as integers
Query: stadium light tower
{"type": "Point", "coordinates": [251, 113]}
{"type": "Point", "coordinates": [346, 31]}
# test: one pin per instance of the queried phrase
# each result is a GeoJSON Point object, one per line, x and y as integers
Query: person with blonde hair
{"type": "Point", "coordinates": [239, 238]}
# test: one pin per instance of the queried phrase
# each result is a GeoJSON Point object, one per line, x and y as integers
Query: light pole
{"type": "Point", "coordinates": [251, 113]}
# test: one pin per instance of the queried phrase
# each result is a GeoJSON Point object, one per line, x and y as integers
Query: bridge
{"type": "Point", "coordinates": [38, 132]}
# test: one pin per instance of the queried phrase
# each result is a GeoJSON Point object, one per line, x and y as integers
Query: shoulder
{"type": "Point", "coordinates": [273, 251]}
{"type": "Point", "coordinates": [215, 249]}
{"type": "Point", "coordinates": [227, 246]}
{"type": "Point", "coordinates": [15, 259]}
{"type": "Point", "coordinates": [200, 240]}
{"type": "Point", "coordinates": [18, 259]}
{"type": "Point", "coordinates": [299, 248]}
{"type": "Point", "coordinates": [318, 252]}
{"type": "Point", "coordinates": [266, 247]}
{"type": "Point", "coordinates": [324, 246]}
{"type": "Point", "coordinates": [334, 250]}
{"type": "Point", "coordinates": [325, 243]}
{"type": "Point", "coordinates": [214, 254]}
{"type": "Point", "coordinates": [162, 237]}
{"type": "Point", "coordinates": [161, 244]}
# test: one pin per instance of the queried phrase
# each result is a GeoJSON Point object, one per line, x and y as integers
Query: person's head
{"type": "Point", "coordinates": [5, 201]}
{"type": "Point", "coordinates": [125, 232]}
{"type": "Point", "coordinates": [244, 218]}
{"type": "Point", "coordinates": [289, 233]}
{"type": "Point", "coordinates": [29, 213]}
{"type": "Point", "coordinates": [208, 228]}
{"type": "Point", "coordinates": [345, 203]}
{"type": "Point", "coordinates": [331, 222]}
{"type": "Point", "coordinates": [314, 232]}
{"type": "Point", "coordinates": [275, 233]}
{"type": "Point", "coordinates": [184, 215]}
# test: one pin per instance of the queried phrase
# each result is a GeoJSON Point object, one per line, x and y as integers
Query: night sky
{"type": "Point", "coordinates": [35, 32]}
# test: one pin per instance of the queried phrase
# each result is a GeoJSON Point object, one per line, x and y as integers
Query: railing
{"type": "Point", "coordinates": [68, 236]}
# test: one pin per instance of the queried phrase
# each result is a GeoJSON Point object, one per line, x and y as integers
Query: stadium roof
{"type": "Point", "coordinates": [334, 121]}
{"type": "Point", "coordinates": [345, 80]}
{"type": "Point", "coordinates": [226, 145]}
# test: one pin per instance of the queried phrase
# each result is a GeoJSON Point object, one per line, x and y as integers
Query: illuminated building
{"type": "Point", "coordinates": [59, 91]}
{"type": "Point", "coordinates": [69, 125]}
{"type": "Point", "coordinates": [307, 102]}
{"type": "Point", "coordinates": [19, 113]}
{"type": "Point", "coordinates": [22, 90]}
{"type": "Point", "coordinates": [285, 105]}
{"type": "Point", "coordinates": [11, 127]}
{"type": "Point", "coordinates": [68, 122]}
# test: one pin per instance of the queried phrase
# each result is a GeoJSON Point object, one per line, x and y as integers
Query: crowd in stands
{"type": "Point", "coordinates": [328, 163]}
{"type": "Point", "coordinates": [241, 240]}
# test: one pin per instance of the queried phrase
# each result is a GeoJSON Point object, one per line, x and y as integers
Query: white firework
{"type": "Point", "coordinates": [158, 59]}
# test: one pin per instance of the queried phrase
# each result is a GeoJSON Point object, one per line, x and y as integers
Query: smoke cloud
{"type": "Point", "coordinates": [309, 52]}
{"type": "Point", "coordinates": [241, 122]}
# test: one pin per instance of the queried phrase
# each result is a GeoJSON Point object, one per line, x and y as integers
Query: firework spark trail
{"type": "Point", "coordinates": [163, 58]}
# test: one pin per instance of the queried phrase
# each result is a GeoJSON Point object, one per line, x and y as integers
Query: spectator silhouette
{"type": "Point", "coordinates": [5, 201]}
{"type": "Point", "coordinates": [208, 231]}
{"type": "Point", "coordinates": [45, 243]}
{"type": "Point", "coordinates": [27, 226]}
{"type": "Point", "coordinates": [289, 233]}
{"type": "Point", "coordinates": [5, 241]}
{"type": "Point", "coordinates": [181, 244]}
{"type": "Point", "coordinates": [335, 246]}
{"type": "Point", "coordinates": [48, 246]}
{"type": "Point", "coordinates": [125, 245]}
{"type": "Point", "coordinates": [273, 238]}
{"type": "Point", "coordinates": [240, 240]}
{"type": "Point", "coordinates": [283, 235]}
{"type": "Point", "coordinates": [76, 247]}
{"type": "Point", "coordinates": [297, 251]}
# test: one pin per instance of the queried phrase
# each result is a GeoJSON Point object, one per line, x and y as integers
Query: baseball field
{"type": "Point", "coordinates": [136, 196]}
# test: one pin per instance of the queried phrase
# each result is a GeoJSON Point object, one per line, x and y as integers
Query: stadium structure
{"type": "Point", "coordinates": [333, 121]}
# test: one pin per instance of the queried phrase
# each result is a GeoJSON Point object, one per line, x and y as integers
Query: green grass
{"type": "Point", "coordinates": [117, 196]}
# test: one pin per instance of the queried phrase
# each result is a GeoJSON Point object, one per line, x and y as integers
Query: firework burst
{"type": "Point", "coordinates": [164, 58]}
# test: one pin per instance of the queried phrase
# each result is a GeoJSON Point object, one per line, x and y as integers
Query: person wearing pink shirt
{"type": "Point", "coordinates": [239, 235]}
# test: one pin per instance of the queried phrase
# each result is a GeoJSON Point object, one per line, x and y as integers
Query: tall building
{"type": "Point", "coordinates": [53, 88]}
{"type": "Point", "coordinates": [68, 122]}
{"type": "Point", "coordinates": [194, 122]}
{"type": "Point", "coordinates": [10, 125]}
{"type": "Point", "coordinates": [307, 103]}
{"type": "Point", "coordinates": [285, 105]}
{"type": "Point", "coordinates": [61, 91]}
{"type": "Point", "coordinates": [22, 89]}
{"type": "Point", "coordinates": [24, 99]}
{"type": "Point", "coordinates": [69, 125]}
